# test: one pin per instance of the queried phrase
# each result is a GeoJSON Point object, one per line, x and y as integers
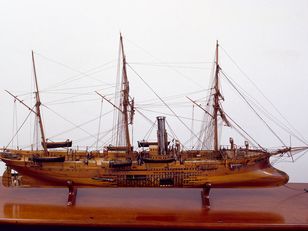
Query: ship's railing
{"type": "Point", "coordinates": [242, 147]}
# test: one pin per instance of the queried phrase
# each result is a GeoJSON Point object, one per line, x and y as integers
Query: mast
{"type": "Point", "coordinates": [37, 106]}
{"type": "Point", "coordinates": [125, 93]}
{"type": "Point", "coordinates": [216, 101]}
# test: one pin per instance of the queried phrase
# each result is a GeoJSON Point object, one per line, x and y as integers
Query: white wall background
{"type": "Point", "coordinates": [268, 39]}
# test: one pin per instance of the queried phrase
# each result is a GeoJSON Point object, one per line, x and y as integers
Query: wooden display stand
{"type": "Point", "coordinates": [279, 208]}
{"type": "Point", "coordinates": [72, 194]}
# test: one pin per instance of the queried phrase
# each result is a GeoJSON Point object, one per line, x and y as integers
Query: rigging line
{"type": "Point", "coordinates": [71, 68]}
{"type": "Point", "coordinates": [106, 143]}
{"type": "Point", "coordinates": [282, 157]}
{"type": "Point", "coordinates": [168, 114]}
{"type": "Point", "coordinates": [168, 66]}
{"type": "Point", "coordinates": [277, 161]}
{"type": "Point", "coordinates": [111, 95]}
{"type": "Point", "coordinates": [281, 125]}
{"type": "Point", "coordinates": [192, 124]}
{"type": "Point", "coordinates": [267, 99]}
{"type": "Point", "coordinates": [172, 63]}
{"type": "Point", "coordinates": [71, 102]}
{"type": "Point", "coordinates": [271, 117]}
{"type": "Point", "coordinates": [79, 125]}
{"type": "Point", "coordinates": [80, 76]}
{"type": "Point", "coordinates": [177, 105]}
{"type": "Point", "coordinates": [61, 101]}
{"type": "Point", "coordinates": [121, 141]}
{"type": "Point", "coordinates": [16, 125]}
{"type": "Point", "coordinates": [147, 135]}
{"type": "Point", "coordinates": [83, 139]}
{"type": "Point", "coordinates": [184, 76]}
{"type": "Point", "coordinates": [18, 129]}
{"type": "Point", "coordinates": [174, 105]}
{"type": "Point", "coordinates": [117, 96]}
{"type": "Point", "coordinates": [29, 94]}
{"type": "Point", "coordinates": [163, 101]}
{"type": "Point", "coordinates": [277, 122]}
{"type": "Point", "coordinates": [171, 98]}
{"type": "Point", "coordinates": [65, 93]}
{"type": "Point", "coordinates": [189, 140]}
{"type": "Point", "coordinates": [207, 135]}
{"type": "Point", "coordinates": [174, 135]}
{"type": "Point", "coordinates": [15, 122]}
{"type": "Point", "coordinates": [194, 102]}
{"type": "Point", "coordinates": [183, 103]}
{"type": "Point", "coordinates": [31, 120]}
{"type": "Point", "coordinates": [285, 155]}
{"type": "Point", "coordinates": [175, 96]}
{"type": "Point", "coordinates": [206, 126]}
{"type": "Point", "coordinates": [69, 121]}
{"type": "Point", "coordinates": [75, 88]}
{"type": "Point", "coordinates": [304, 153]}
{"type": "Point", "coordinates": [64, 90]}
{"type": "Point", "coordinates": [35, 134]}
{"type": "Point", "coordinates": [70, 97]}
{"type": "Point", "coordinates": [175, 70]}
{"type": "Point", "coordinates": [158, 104]}
{"type": "Point", "coordinates": [144, 116]}
{"type": "Point", "coordinates": [253, 109]}
{"type": "Point", "coordinates": [202, 99]}
{"type": "Point", "coordinates": [16, 97]}
{"type": "Point", "coordinates": [105, 134]}
{"type": "Point", "coordinates": [88, 137]}
{"type": "Point", "coordinates": [99, 123]}
{"type": "Point", "coordinates": [251, 142]}
{"type": "Point", "coordinates": [244, 131]}
{"type": "Point", "coordinates": [91, 75]}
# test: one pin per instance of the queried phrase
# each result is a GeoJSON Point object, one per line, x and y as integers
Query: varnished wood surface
{"type": "Point", "coordinates": [100, 208]}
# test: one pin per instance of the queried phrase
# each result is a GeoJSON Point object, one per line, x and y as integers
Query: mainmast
{"type": "Point", "coordinates": [216, 101]}
{"type": "Point", "coordinates": [37, 106]}
{"type": "Point", "coordinates": [125, 95]}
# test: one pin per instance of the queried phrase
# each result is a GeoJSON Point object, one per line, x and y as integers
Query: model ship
{"type": "Point", "coordinates": [157, 163]}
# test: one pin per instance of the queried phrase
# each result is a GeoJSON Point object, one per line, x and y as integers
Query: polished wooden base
{"type": "Point", "coordinates": [279, 208]}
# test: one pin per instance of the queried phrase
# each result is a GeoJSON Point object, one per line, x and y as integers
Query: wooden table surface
{"type": "Point", "coordinates": [280, 208]}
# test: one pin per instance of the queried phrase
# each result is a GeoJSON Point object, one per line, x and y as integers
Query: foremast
{"type": "Point", "coordinates": [37, 107]}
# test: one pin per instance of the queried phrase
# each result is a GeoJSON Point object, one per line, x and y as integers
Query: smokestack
{"type": "Point", "coordinates": [162, 138]}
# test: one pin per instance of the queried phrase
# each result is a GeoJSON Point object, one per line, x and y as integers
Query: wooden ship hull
{"type": "Point", "coordinates": [252, 171]}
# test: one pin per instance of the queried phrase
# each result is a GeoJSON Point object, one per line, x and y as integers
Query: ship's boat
{"type": "Point", "coordinates": [64, 144]}
{"type": "Point", "coordinates": [48, 159]}
{"type": "Point", "coordinates": [156, 163]}
{"type": "Point", "coordinates": [120, 164]}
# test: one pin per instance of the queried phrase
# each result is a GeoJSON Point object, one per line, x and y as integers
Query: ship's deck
{"type": "Point", "coordinates": [279, 208]}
